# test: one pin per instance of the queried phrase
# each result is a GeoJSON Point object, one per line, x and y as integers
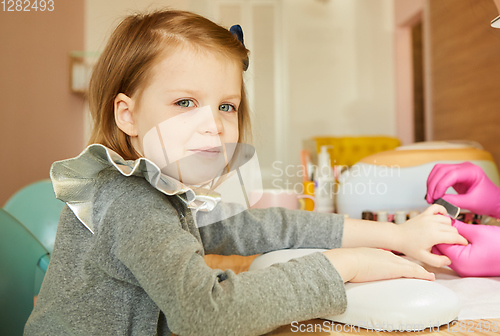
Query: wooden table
{"type": "Point", "coordinates": [455, 328]}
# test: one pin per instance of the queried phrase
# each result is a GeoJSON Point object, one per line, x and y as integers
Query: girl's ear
{"type": "Point", "coordinates": [124, 118]}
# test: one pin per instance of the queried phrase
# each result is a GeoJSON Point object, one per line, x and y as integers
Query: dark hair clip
{"type": "Point", "coordinates": [238, 32]}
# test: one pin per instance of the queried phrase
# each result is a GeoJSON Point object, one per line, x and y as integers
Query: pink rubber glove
{"type": "Point", "coordinates": [481, 257]}
{"type": "Point", "coordinates": [475, 190]}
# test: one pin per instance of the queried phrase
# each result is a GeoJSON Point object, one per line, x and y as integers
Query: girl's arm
{"type": "Point", "coordinates": [257, 231]}
{"type": "Point", "coordinates": [363, 233]}
{"type": "Point", "coordinates": [162, 257]}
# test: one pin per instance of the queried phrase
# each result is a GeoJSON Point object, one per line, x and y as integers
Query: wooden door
{"type": "Point", "coordinates": [465, 72]}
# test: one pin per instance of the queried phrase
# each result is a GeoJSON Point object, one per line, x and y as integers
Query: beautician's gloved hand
{"type": "Point", "coordinates": [481, 257]}
{"type": "Point", "coordinates": [475, 190]}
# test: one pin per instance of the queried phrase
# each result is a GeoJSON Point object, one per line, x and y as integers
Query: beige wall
{"type": "Point", "coordinates": [340, 65]}
{"type": "Point", "coordinates": [339, 75]}
{"type": "Point", "coordinates": [338, 68]}
{"type": "Point", "coordinates": [406, 14]}
{"type": "Point", "coordinates": [41, 119]}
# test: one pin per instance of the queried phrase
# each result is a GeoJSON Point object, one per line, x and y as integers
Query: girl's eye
{"type": "Point", "coordinates": [185, 103]}
{"type": "Point", "coordinates": [227, 108]}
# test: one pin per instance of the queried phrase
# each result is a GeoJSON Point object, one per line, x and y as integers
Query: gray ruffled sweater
{"type": "Point", "coordinates": [142, 272]}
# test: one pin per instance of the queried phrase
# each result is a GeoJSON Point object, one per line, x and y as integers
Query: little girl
{"type": "Point", "coordinates": [168, 101]}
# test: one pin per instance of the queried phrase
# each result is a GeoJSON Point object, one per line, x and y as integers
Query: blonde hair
{"type": "Point", "coordinates": [140, 42]}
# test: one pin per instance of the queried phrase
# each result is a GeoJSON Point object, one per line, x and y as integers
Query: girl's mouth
{"type": "Point", "coordinates": [208, 152]}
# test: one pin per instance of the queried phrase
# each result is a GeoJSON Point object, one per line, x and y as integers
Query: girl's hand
{"type": "Point", "coordinates": [362, 264]}
{"type": "Point", "coordinates": [418, 235]}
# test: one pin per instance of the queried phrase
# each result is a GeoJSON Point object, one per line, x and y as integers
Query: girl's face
{"type": "Point", "coordinates": [186, 120]}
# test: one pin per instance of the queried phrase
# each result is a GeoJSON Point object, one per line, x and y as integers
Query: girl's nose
{"type": "Point", "coordinates": [213, 124]}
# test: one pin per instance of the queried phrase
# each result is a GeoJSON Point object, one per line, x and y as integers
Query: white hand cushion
{"type": "Point", "coordinates": [390, 305]}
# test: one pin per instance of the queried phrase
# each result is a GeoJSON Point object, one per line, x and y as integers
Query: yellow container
{"type": "Point", "coordinates": [346, 151]}
{"type": "Point", "coordinates": [308, 190]}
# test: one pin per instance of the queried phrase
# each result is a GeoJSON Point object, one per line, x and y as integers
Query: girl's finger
{"type": "Point", "coordinates": [417, 271]}
{"type": "Point", "coordinates": [436, 209]}
{"type": "Point", "coordinates": [436, 260]}
{"type": "Point", "coordinates": [451, 237]}
{"type": "Point", "coordinates": [445, 220]}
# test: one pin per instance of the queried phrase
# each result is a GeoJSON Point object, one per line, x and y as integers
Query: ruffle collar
{"type": "Point", "coordinates": [73, 181]}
